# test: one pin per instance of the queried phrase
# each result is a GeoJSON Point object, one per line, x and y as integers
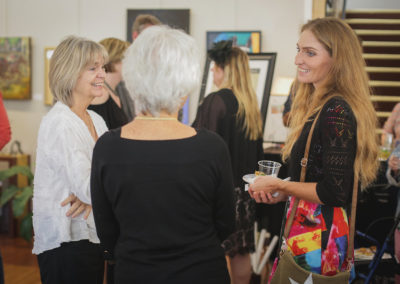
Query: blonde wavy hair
{"type": "Point", "coordinates": [347, 79]}
{"type": "Point", "coordinates": [116, 49]}
{"type": "Point", "coordinates": [237, 78]}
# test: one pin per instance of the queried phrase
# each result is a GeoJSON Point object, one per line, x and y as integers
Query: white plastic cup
{"type": "Point", "coordinates": [269, 168]}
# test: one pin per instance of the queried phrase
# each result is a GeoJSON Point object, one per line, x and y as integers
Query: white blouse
{"type": "Point", "coordinates": [63, 162]}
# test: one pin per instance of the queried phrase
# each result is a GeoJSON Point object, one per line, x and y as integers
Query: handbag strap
{"type": "Point", "coordinates": [353, 203]}
{"type": "Point", "coordinates": [303, 164]}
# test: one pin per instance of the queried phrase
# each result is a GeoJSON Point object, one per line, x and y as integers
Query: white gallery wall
{"type": "Point", "coordinates": [47, 22]}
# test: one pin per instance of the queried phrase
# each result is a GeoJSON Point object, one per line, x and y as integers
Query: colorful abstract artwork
{"type": "Point", "coordinates": [15, 68]}
{"type": "Point", "coordinates": [249, 41]}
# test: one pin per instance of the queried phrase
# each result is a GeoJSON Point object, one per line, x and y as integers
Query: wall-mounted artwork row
{"type": "Point", "coordinates": [15, 68]}
{"type": "Point", "coordinates": [249, 41]}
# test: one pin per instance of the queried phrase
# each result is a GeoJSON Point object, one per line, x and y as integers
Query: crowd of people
{"type": "Point", "coordinates": [126, 191]}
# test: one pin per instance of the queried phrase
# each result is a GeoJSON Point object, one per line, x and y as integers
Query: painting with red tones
{"type": "Point", "coordinates": [15, 68]}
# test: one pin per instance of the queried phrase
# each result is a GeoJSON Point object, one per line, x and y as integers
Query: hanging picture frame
{"type": "Point", "coordinates": [15, 68]}
{"type": "Point", "coordinates": [175, 18]}
{"type": "Point", "coordinates": [248, 41]}
{"type": "Point", "coordinates": [262, 66]}
{"type": "Point", "coordinates": [48, 96]}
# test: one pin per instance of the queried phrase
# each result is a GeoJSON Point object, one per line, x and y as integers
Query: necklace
{"type": "Point", "coordinates": [155, 118]}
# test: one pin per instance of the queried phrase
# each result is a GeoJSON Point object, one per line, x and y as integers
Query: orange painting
{"type": "Point", "coordinates": [15, 68]}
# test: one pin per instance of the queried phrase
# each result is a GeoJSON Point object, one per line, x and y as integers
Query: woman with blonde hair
{"type": "Point", "coordinates": [66, 241]}
{"type": "Point", "coordinates": [233, 113]}
{"type": "Point", "coordinates": [110, 105]}
{"type": "Point", "coordinates": [333, 91]}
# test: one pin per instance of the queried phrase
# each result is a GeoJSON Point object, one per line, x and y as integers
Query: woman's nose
{"type": "Point", "coordinates": [298, 59]}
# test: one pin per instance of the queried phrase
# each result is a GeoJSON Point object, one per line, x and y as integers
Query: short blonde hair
{"type": "Point", "coordinates": [143, 21]}
{"type": "Point", "coordinates": [116, 49]}
{"type": "Point", "coordinates": [69, 59]}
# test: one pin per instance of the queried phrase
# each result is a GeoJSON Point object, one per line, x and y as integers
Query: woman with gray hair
{"type": "Point", "coordinates": [162, 191]}
{"type": "Point", "coordinates": [65, 235]}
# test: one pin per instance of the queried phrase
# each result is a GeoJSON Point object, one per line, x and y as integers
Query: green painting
{"type": "Point", "coordinates": [15, 68]}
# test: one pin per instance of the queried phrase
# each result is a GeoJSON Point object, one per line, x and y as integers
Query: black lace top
{"type": "Point", "coordinates": [332, 153]}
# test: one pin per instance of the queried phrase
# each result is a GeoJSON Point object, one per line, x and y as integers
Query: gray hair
{"type": "Point", "coordinates": [69, 59]}
{"type": "Point", "coordinates": [160, 69]}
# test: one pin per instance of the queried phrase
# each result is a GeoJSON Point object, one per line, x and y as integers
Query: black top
{"type": "Point", "coordinates": [127, 103]}
{"type": "Point", "coordinates": [218, 113]}
{"type": "Point", "coordinates": [332, 153]}
{"type": "Point", "coordinates": [112, 114]}
{"type": "Point", "coordinates": [163, 207]}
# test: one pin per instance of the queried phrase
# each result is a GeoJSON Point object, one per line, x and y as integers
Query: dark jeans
{"type": "Point", "coordinates": [78, 262]}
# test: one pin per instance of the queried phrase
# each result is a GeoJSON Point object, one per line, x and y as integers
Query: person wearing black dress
{"type": "Point", "coordinates": [333, 91]}
{"type": "Point", "coordinates": [109, 106]}
{"type": "Point", "coordinates": [233, 113]}
{"type": "Point", "coordinates": [162, 191]}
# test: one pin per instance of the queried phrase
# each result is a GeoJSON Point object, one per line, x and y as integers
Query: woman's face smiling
{"type": "Point", "coordinates": [91, 80]}
{"type": "Point", "coordinates": [313, 60]}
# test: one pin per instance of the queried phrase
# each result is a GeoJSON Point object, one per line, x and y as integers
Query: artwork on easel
{"type": "Point", "coordinates": [274, 130]}
{"type": "Point", "coordinates": [15, 68]}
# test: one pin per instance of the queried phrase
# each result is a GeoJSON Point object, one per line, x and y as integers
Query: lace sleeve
{"type": "Point", "coordinates": [338, 135]}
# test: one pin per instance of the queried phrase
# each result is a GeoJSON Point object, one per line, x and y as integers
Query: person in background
{"type": "Point", "coordinates": [233, 113]}
{"type": "Point", "coordinates": [5, 137]}
{"type": "Point", "coordinates": [142, 22]}
{"type": "Point", "coordinates": [392, 126]}
{"type": "Point", "coordinates": [333, 83]}
{"type": "Point", "coordinates": [5, 129]}
{"type": "Point", "coordinates": [162, 191]}
{"type": "Point", "coordinates": [109, 105]}
{"type": "Point", "coordinates": [65, 238]}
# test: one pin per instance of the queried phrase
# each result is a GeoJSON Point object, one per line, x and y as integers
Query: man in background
{"type": "Point", "coordinates": [141, 22]}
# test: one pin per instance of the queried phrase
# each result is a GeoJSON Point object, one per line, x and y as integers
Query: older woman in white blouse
{"type": "Point", "coordinates": [65, 236]}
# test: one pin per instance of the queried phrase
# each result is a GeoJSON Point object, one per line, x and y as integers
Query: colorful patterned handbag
{"type": "Point", "coordinates": [287, 270]}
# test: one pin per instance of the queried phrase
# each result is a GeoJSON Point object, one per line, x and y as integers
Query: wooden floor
{"type": "Point", "coordinates": [20, 265]}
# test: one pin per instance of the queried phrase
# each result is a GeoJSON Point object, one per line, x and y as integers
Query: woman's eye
{"type": "Point", "coordinates": [298, 49]}
{"type": "Point", "coordinates": [310, 53]}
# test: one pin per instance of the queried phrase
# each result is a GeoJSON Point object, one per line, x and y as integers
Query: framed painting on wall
{"type": "Point", "coordinates": [48, 96]}
{"type": "Point", "coordinates": [176, 18]}
{"type": "Point", "coordinates": [15, 68]}
{"type": "Point", "coordinates": [262, 67]}
{"type": "Point", "coordinates": [249, 41]}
